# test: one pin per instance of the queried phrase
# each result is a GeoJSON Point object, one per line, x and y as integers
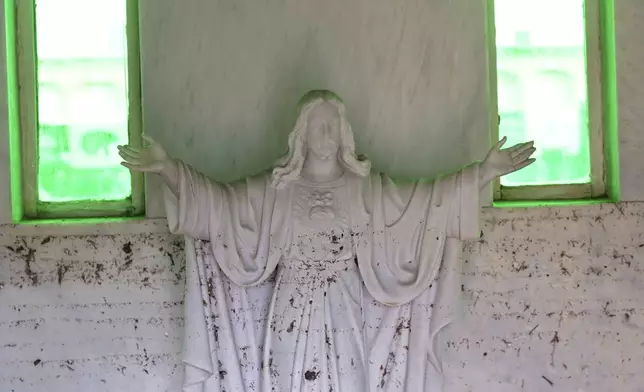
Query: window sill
{"type": "Point", "coordinates": [124, 226]}
{"type": "Point", "coordinates": [78, 227]}
{"type": "Point", "coordinates": [549, 203]}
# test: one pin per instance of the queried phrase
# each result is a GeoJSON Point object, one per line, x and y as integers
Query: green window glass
{"type": "Point", "coordinates": [82, 95]}
{"type": "Point", "coordinates": [542, 87]}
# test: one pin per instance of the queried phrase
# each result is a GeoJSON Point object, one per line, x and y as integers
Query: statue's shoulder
{"type": "Point", "coordinates": [363, 184]}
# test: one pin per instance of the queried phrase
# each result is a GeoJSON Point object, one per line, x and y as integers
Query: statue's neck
{"type": "Point", "coordinates": [317, 170]}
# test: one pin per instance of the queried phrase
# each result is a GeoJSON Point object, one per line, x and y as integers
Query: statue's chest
{"type": "Point", "coordinates": [321, 222]}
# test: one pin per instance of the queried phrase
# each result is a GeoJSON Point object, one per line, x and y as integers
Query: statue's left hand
{"type": "Point", "coordinates": [500, 162]}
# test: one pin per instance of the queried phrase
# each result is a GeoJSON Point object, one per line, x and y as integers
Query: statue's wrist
{"type": "Point", "coordinates": [486, 174]}
{"type": "Point", "coordinates": [168, 168]}
{"type": "Point", "coordinates": [167, 164]}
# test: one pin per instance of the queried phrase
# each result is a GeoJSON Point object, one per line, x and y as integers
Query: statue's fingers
{"type": "Point", "coordinates": [129, 156]}
{"type": "Point", "coordinates": [523, 155]}
{"type": "Point", "coordinates": [518, 148]}
{"type": "Point", "coordinates": [130, 166]}
{"type": "Point", "coordinates": [500, 143]}
{"type": "Point", "coordinates": [523, 164]}
{"type": "Point", "coordinates": [130, 149]}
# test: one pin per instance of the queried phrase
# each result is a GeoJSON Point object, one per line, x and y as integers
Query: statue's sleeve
{"type": "Point", "coordinates": [459, 195]}
{"type": "Point", "coordinates": [236, 218]}
{"type": "Point", "coordinates": [198, 201]}
{"type": "Point", "coordinates": [409, 224]}
{"type": "Point", "coordinates": [449, 204]}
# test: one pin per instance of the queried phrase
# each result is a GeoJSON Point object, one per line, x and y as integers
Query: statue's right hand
{"type": "Point", "coordinates": [151, 158]}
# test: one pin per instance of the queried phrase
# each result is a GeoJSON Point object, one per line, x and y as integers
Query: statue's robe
{"type": "Point", "coordinates": [406, 243]}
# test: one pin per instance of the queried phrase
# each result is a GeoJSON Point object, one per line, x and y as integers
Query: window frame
{"type": "Point", "coordinates": [27, 78]}
{"type": "Point", "coordinates": [597, 188]}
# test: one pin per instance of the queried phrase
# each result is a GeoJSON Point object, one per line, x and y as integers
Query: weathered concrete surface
{"type": "Point", "coordinates": [90, 313]}
{"type": "Point", "coordinates": [553, 302]}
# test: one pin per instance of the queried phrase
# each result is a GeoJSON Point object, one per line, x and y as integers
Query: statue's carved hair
{"type": "Point", "coordinates": [289, 167]}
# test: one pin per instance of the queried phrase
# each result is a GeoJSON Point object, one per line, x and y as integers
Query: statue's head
{"type": "Point", "coordinates": [323, 132]}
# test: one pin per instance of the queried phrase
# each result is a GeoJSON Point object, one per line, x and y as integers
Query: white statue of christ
{"type": "Point", "coordinates": [362, 272]}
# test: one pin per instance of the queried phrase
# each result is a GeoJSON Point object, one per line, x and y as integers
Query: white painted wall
{"type": "Point", "coordinates": [230, 73]}
{"type": "Point", "coordinates": [630, 81]}
{"type": "Point", "coordinates": [89, 313]}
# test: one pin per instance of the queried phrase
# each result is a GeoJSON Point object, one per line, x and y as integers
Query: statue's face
{"type": "Point", "coordinates": [323, 131]}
